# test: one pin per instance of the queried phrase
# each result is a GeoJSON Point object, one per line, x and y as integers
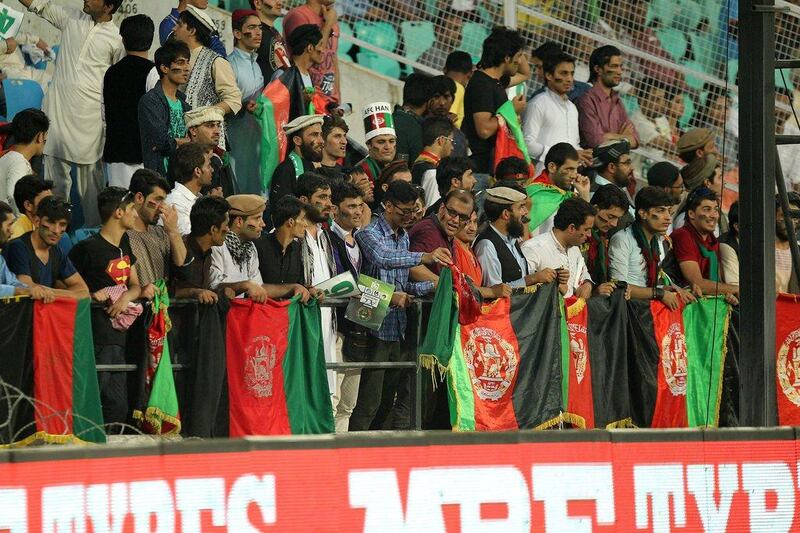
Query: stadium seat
{"type": "Point", "coordinates": [733, 71]}
{"type": "Point", "coordinates": [688, 16]}
{"type": "Point", "coordinates": [673, 42]}
{"type": "Point", "coordinates": [785, 80]}
{"type": "Point", "coordinates": [688, 111]}
{"type": "Point", "coordinates": [83, 233]}
{"type": "Point", "coordinates": [21, 94]}
{"type": "Point", "coordinates": [381, 65]}
{"type": "Point", "coordinates": [380, 34]}
{"type": "Point", "coordinates": [472, 36]}
{"type": "Point", "coordinates": [344, 44]}
{"type": "Point", "coordinates": [663, 10]}
{"type": "Point", "coordinates": [279, 25]}
{"type": "Point", "coordinates": [695, 82]}
{"type": "Point", "coordinates": [418, 36]}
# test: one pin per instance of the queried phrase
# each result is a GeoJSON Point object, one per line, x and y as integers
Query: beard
{"type": "Point", "coordinates": [515, 228]}
{"type": "Point", "coordinates": [315, 215]}
{"type": "Point", "coordinates": [309, 153]}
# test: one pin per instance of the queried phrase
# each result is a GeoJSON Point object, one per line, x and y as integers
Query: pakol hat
{"type": "Point", "coordinates": [504, 195]}
{"type": "Point", "coordinates": [246, 205]}
{"type": "Point", "coordinates": [201, 115]}
{"type": "Point", "coordinates": [203, 18]}
{"type": "Point", "coordinates": [378, 120]}
{"type": "Point", "coordinates": [301, 122]}
{"type": "Point", "coordinates": [694, 139]}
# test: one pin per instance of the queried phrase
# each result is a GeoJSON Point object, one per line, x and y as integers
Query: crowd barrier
{"type": "Point", "coordinates": [621, 480]}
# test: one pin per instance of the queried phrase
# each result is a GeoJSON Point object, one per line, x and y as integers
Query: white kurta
{"type": "Point", "coordinates": [73, 101]}
{"type": "Point", "coordinates": [323, 273]}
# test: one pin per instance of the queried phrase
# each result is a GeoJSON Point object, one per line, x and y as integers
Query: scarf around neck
{"type": "Point", "coordinates": [649, 251]}
{"type": "Point", "coordinates": [241, 252]}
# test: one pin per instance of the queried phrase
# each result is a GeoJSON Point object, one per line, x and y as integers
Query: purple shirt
{"type": "Point", "coordinates": [428, 235]}
{"type": "Point", "coordinates": [598, 114]}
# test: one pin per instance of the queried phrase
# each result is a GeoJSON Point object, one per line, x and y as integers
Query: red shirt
{"type": "Point", "coordinates": [600, 113]}
{"type": "Point", "coordinates": [544, 177]}
{"type": "Point", "coordinates": [686, 248]}
{"type": "Point", "coordinates": [323, 75]}
{"type": "Point", "coordinates": [426, 236]}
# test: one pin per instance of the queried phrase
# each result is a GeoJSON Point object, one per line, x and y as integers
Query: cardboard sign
{"type": "Point", "coordinates": [342, 286]}
{"type": "Point", "coordinates": [370, 310]}
{"type": "Point", "coordinates": [10, 21]}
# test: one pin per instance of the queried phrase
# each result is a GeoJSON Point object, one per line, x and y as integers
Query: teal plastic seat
{"type": "Point", "coordinates": [733, 70]}
{"type": "Point", "coordinates": [688, 111]}
{"type": "Point", "coordinates": [472, 36]}
{"type": "Point", "coordinates": [21, 94]}
{"type": "Point", "coordinates": [673, 42]}
{"type": "Point", "coordinates": [694, 82]}
{"type": "Point", "coordinates": [380, 34]}
{"type": "Point", "coordinates": [779, 80]}
{"type": "Point", "coordinates": [381, 65]}
{"type": "Point", "coordinates": [344, 44]}
{"type": "Point", "coordinates": [688, 16]}
{"type": "Point", "coordinates": [279, 25]}
{"type": "Point", "coordinates": [663, 10]}
{"type": "Point", "coordinates": [418, 36]}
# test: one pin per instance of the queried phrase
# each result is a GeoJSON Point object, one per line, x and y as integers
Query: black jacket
{"type": "Point", "coordinates": [157, 143]}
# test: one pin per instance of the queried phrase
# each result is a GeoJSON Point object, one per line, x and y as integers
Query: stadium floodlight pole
{"type": "Point", "coordinates": [510, 13]}
{"type": "Point", "coordinates": [757, 404]}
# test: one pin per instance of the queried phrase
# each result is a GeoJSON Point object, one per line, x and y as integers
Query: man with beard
{"type": "Point", "coordinates": [437, 139]}
{"type": "Point", "coordinates": [611, 205]}
{"type": "Point", "coordinates": [272, 54]}
{"type": "Point", "coordinates": [497, 247]}
{"type": "Point", "coordinates": [559, 249]}
{"type": "Point", "coordinates": [334, 134]}
{"type": "Point", "coordinates": [191, 170]}
{"type": "Point", "coordinates": [636, 253]}
{"type": "Point", "coordinates": [380, 137]}
{"type": "Point", "coordinates": [204, 125]}
{"type": "Point", "coordinates": [614, 166]}
{"type": "Point", "coordinates": [561, 170]}
{"type": "Point", "coordinates": [602, 117]}
{"type": "Point", "coordinates": [36, 259]}
{"type": "Point", "coordinates": [159, 248]}
{"type": "Point", "coordinates": [234, 265]}
{"type": "Point", "coordinates": [696, 249]}
{"type": "Point", "coordinates": [306, 146]}
{"type": "Point", "coordinates": [9, 284]}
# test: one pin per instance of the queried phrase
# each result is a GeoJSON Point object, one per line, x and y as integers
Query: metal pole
{"type": "Point", "coordinates": [757, 211]}
{"type": "Point", "coordinates": [510, 13]}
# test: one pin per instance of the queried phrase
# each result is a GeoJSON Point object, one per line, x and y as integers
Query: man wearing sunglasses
{"type": "Point", "coordinates": [438, 230]}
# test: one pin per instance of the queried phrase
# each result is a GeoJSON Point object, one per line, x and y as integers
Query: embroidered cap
{"type": "Point", "coordinates": [504, 195]}
{"type": "Point", "coordinates": [301, 123]}
{"type": "Point", "coordinates": [245, 205]}
{"type": "Point", "coordinates": [201, 115]}
{"type": "Point", "coordinates": [203, 18]}
{"type": "Point", "coordinates": [609, 152]}
{"type": "Point", "coordinates": [694, 139]}
{"type": "Point", "coordinates": [699, 170]}
{"type": "Point", "coordinates": [378, 120]}
{"type": "Point", "coordinates": [240, 14]}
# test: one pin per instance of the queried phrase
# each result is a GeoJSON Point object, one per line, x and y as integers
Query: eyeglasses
{"type": "Point", "coordinates": [452, 213]}
{"type": "Point", "coordinates": [405, 212]}
{"type": "Point", "coordinates": [448, 139]}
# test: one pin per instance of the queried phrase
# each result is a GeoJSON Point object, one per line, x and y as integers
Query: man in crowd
{"type": "Point", "coordinates": [561, 170]}
{"type": "Point", "coordinates": [516, 169]}
{"type": "Point", "coordinates": [306, 147]}
{"type": "Point", "coordinates": [108, 266]}
{"type": "Point", "coordinates": [444, 94]}
{"type": "Point", "coordinates": [306, 47]}
{"type": "Point", "coordinates": [348, 206]}
{"type": "Point", "coordinates": [191, 169]}
{"type": "Point", "coordinates": [696, 249]}
{"type": "Point", "coordinates": [503, 53]}
{"type": "Point", "coordinates": [334, 134]}
{"type": "Point", "coordinates": [90, 44]}
{"type": "Point", "coordinates": [384, 246]}
{"type": "Point", "coordinates": [394, 171]}
{"type": "Point", "coordinates": [451, 174]}
{"type": "Point", "coordinates": [9, 284]}
{"type": "Point", "coordinates": [611, 205]}
{"type": "Point", "coordinates": [559, 249]}
{"type": "Point", "coordinates": [28, 192]}
{"type": "Point", "coordinates": [459, 68]}
{"type": "Point", "coordinates": [244, 131]}
{"type": "Point", "coordinates": [667, 177]}
{"type": "Point", "coordinates": [408, 117]}
{"type": "Point", "coordinates": [637, 252]}
{"type": "Point", "coordinates": [36, 258]}
{"type": "Point", "coordinates": [280, 254]}
{"type": "Point", "coordinates": [29, 128]}
{"type": "Point", "coordinates": [785, 280]}
{"type": "Point", "coordinates": [437, 139]}
{"type": "Point", "coordinates": [696, 143]}
{"type": "Point", "coordinates": [650, 119]}
{"type": "Point", "coordinates": [602, 117]}
{"type": "Point", "coordinates": [497, 247]}
{"type": "Point", "coordinates": [551, 117]}
{"type": "Point", "coordinates": [614, 165]}
{"type": "Point", "coordinates": [380, 137]}
{"type": "Point", "coordinates": [234, 265]}
{"type": "Point", "coordinates": [447, 28]}
{"type": "Point", "coordinates": [325, 74]}
{"type": "Point", "coordinates": [272, 54]}
{"type": "Point", "coordinates": [209, 219]}
{"type": "Point", "coordinates": [167, 25]}
{"type": "Point", "coordinates": [439, 229]}
{"type": "Point", "coordinates": [204, 126]}
{"type": "Point", "coordinates": [123, 86]}
{"type": "Point", "coordinates": [159, 248]}
{"type": "Point", "coordinates": [161, 110]}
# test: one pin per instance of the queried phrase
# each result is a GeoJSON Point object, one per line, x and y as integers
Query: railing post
{"type": "Point", "coordinates": [510, 13]}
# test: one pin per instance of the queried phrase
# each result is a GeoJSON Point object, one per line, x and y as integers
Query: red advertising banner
{"type": "Point", "coordinates": [692, 485]}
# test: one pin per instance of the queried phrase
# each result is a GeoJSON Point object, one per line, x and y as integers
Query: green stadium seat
{"type": "Point", "coordinates": [418, 36]}
{"type": "Point", "coordinates": [380, 34]}
{"type": "Point", "coordinates": [673, 42]}
{"type": "Point", "coordinates": [381, 65]}
{"type": "Point", "coordinates": [695, 82]}
{"type": "Point", "coordinates": [687, 18]}
{"type": "Point", "coordinates": [344, 44]}
{"type": "Point", "coordinates": [688, 112]}
{"type": "Point", "coordinates": [733, 70]}
{"type": "Point", "coordinates": [787, 77]}
{"type": "Point", "coordinates": [472, 36]}
{"type": "Point", "coordinates": [663, 10]}
{"type": "Point", "coordinates": [279, 24]}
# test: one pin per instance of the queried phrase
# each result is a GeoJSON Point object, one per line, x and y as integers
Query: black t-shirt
{"type": "Point", "coordinates": [284, 179]}
{"type": "Point", "coordinates": [123, 86]}
{"type": "Point", "coordinates": [272, 45]}
{"type": "Point", "coordinates": [483, 94]}
{"type": "Point", "coordinates": [334, 173]}
{"type": "Point", "coordinates": [277, 267]}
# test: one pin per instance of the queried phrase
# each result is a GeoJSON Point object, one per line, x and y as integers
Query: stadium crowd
{"type": "Point", "coordinates": [166, 155]}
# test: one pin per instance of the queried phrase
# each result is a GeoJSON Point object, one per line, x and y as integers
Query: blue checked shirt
{"type": "Point", "coordinates": [386, 257]}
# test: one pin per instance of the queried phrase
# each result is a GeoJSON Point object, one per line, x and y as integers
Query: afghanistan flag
{"type": "Point", "coordinates": [545, 201]}
{"type": "Point", "coordinates": [510, 141]}
{"type": "Point", "coordinates": [678, 358]}
{"type": "Point", "coordinates": [161, 416]}
{"type": "Point", "coordinates": [281, 101]}
{"type": "Point", "coordinates": [49, 390]}
{"type": "Point", "coordinates": [504, 369]}
{"type": "Point", "coordinates": [787, 365]}
{"type": "Point", "coordinates": [277, 383]}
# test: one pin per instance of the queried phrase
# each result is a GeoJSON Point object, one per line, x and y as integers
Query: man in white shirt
{"type": "Point", "coordinates": [551, 117]}
{"type": "Point", "coordinates": [191, 168]}
{"type": "Point", "coordinates": [559, 249]}
{"type": "Point", "coordinates": [29, 128]}
{"type": "Point", "coordinates": [90, 43]}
